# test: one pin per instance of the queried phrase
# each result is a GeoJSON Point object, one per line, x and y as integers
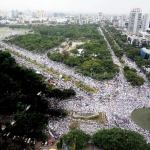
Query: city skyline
{"type": "Point", "coordinates": [76, 6]}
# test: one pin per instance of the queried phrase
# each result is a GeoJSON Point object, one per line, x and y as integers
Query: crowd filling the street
{"type": "Point", "coordinates": [116, 97]}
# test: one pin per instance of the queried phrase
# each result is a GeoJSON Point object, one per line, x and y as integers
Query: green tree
{"type": "Point", "coordinates": [132, 77]}
{"type": "Point", "coordinates": [19, 88]}
{"type": "Point", "coordinates": [74, 51]}
{"type": "Point", "coordinates": [56, 56]}
{"type": "Point", "coordinates": [72, 61]}
{"type": "Point", "coordinates": [76, 139]}
{"type": "Point", "coordinates": [29, 124]}
{"type": "Point", "coordinates": [65, 54]}
{"type": "Point", "coordinates": [118, 139]}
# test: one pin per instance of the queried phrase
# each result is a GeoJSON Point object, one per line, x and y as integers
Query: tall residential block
{"type": "Point", "coordinates": [135, 20]}
{"type": "Point", "coordinates": [146, 22]}
{"type": "Point", "coordinates": [80, 19]}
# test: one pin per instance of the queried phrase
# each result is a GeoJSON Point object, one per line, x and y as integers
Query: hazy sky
{"type": "Point", "coordinates": [87, 6]}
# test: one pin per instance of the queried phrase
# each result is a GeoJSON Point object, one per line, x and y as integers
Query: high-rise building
{"type": "Point", "coordinates": [87, 19]}
{"type": "Point", "coordinates": [13, 13]}
{"type": "Point", "coordinates": [17, 12]}
{"type": "Point", "coordinates": [121, 21]}
{"type": "Point", "coordinates": [100, 16]}
{"type": "Point", "coordinates": [41, 14]}
{"type": "Point", "coordinates": [80, 19]}
{"type": "Point", "coordinates": [146, 22]}
{"type": "Point", "coordinates": [55, 14]}
{"type": "Point", "coordinates": [135, 20]}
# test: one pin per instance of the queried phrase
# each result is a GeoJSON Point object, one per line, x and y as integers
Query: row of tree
{"type": "Point", "coordinates": [131, 52]}
{"type": "Point", "coordinates": [132, 77]}
{"type": "Point", "coordinates": [119, 53]}
{"type": "Point", "coordinates": [117, 34]}
{"type": "Point", "coordinates": [35, 42]}
{"type": "Point", "coordinates": [109, 139]}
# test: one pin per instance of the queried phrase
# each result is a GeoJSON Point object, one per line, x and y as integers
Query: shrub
{"type": "Point", "coordinates": [118, 139]}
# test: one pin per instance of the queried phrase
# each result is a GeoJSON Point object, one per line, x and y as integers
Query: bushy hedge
{"type": "Point", "coordinates": [118, 139]}
{"type": "Point", "coordinates": [132, 77]}
{"type": "Point", "coordinates": [108, 139]}
{"type": "Point", "coordinates": [76, 139]}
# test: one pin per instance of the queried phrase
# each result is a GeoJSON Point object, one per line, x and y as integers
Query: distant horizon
{"type": "Point", "coordinates": [114, 7]}
{"type": "Point", "coordinates": [67, 12]}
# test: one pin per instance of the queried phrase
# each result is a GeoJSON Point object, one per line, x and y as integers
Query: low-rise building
{"type": "Point", "coordinates": [145, 53]}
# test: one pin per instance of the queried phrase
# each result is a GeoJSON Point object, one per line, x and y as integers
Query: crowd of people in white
{"type": "Point", "coordinates": [116, 97]}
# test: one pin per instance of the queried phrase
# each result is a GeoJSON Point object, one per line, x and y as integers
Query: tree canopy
{"type": "Point", "coordinates": [118, 139]}
{"type": "Point", "coordinates": [47, 37]}
{"type": "Point", "coordinates": [19, 90]}
{"type": "Point", "coordinates": [132, 77]}
{"type": "Point", "coordinates": [35, 42]}
{"type": "Point", "coordinates": [109, 139]}
{"type": "Point", "coordinates": [76, 139]}
{"type": "Point", "coordinates": [94, 61]}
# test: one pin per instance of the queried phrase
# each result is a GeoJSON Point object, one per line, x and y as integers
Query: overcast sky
{"type": "Point", "coordinates": [87, 6]}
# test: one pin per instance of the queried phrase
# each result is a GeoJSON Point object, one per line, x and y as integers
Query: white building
{"type": "Point", "coordinates": [135, 21]}
{"type": "Point", "coordinates": [146, 23]}
{"type": "Point", "coordinates": [87, 19]}
{"type": "Point", "coordinates": [144, 37]}
{"type": "Point", "coordinates": [100, 17]}
{"type": "Point", "coordinates": [116, 24]}
{"type": "Point", "coordinates": [80, 19]}
{"type": "Point", "coordinates": [121, 21]}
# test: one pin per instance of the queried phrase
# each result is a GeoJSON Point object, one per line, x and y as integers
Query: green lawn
{"type": "Point", "coordinates": [141, 117]}
{"type": "Point", "coordinates": [4, 31]}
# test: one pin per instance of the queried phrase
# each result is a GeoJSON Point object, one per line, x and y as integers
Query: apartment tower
{"type": "Point", "coordinates": [135, 21]}
{"type": "Point", "coordinates": [146, 22]}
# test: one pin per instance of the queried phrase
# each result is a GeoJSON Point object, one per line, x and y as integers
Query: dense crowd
{"type": "Point", "coordinates": [116, 97]}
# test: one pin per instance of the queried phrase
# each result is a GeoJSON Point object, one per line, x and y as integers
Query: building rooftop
{"type": "Point", "coordinates": [136, 10]}
{"type": "Point", "coordinates": [146, 50]}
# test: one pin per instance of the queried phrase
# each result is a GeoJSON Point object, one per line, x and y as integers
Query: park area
{"type": "Point", "coordinates": [83, 48]}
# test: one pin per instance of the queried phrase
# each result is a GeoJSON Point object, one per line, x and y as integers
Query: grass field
{"type": "Point", "coordinates": [4, 31]}
{"type": "Point", "coordinates": [141, 117]}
